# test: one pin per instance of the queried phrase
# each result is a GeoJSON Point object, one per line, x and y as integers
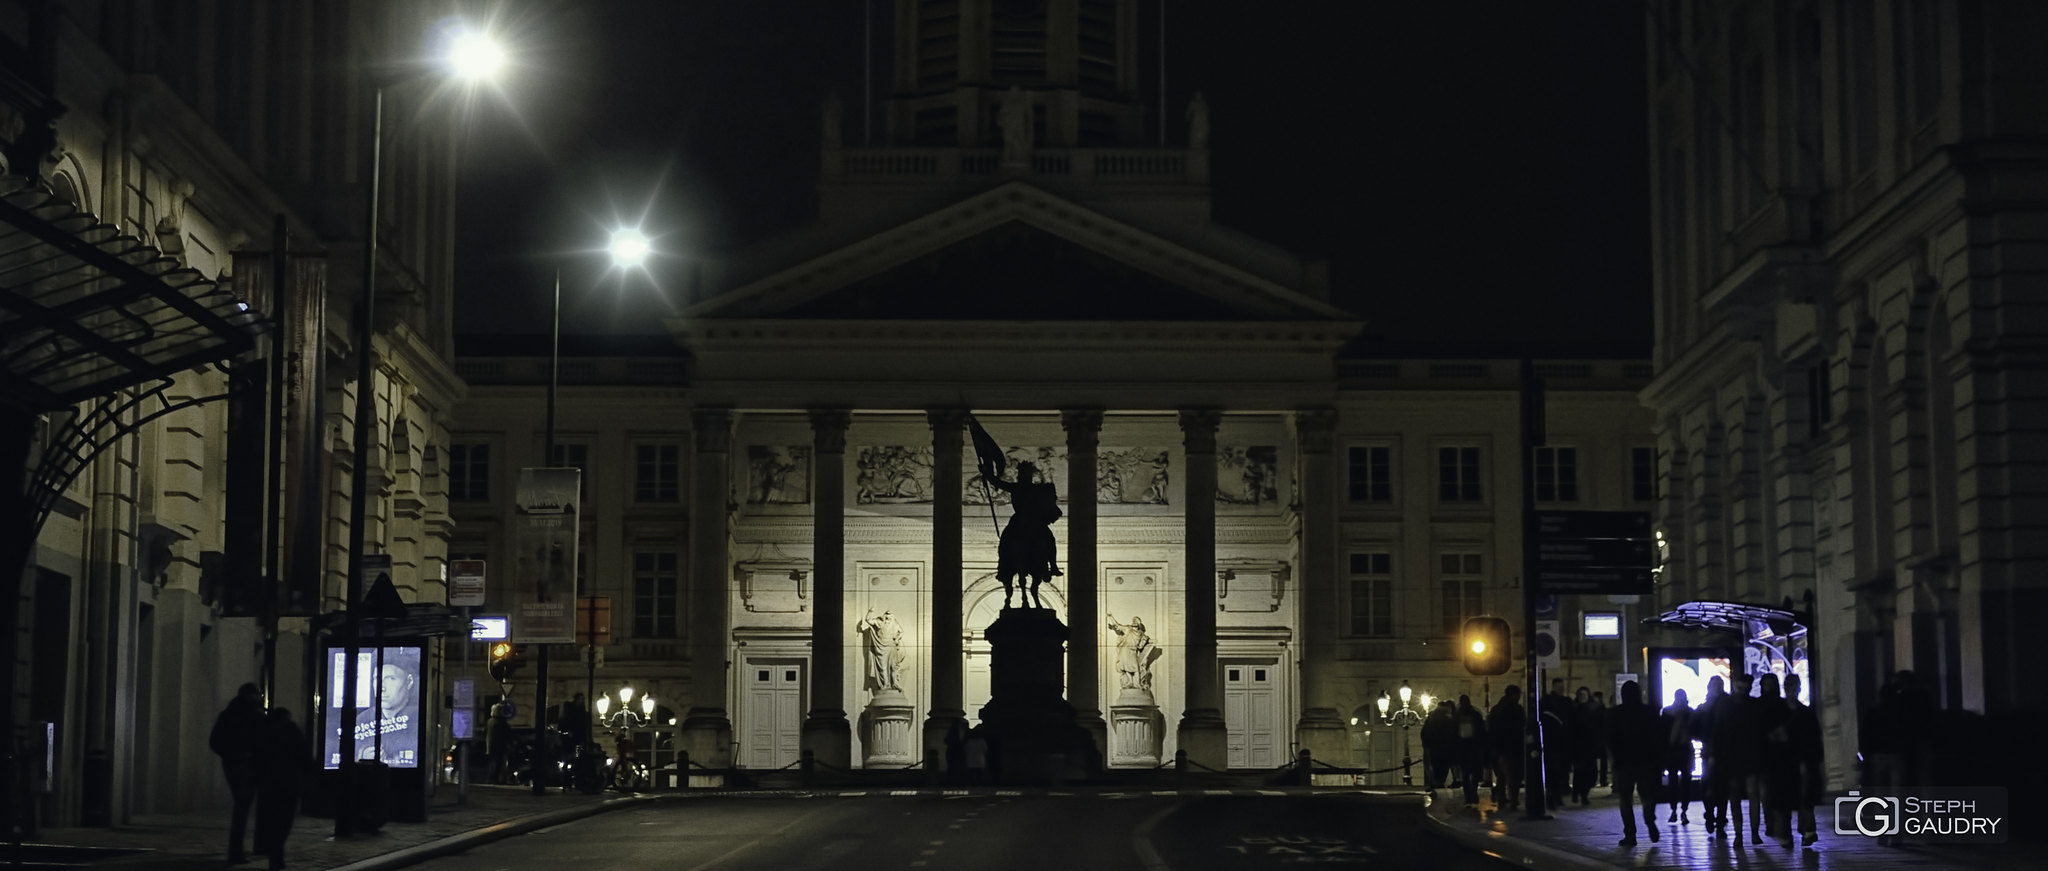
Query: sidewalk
{"type": "Point", "coordinates": [198, 842]}
{"type": "Point", "coordinates": [1580, 838]}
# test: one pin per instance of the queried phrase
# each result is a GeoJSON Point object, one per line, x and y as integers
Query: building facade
{"type": "Point", "coordinates": [1845, 207]}
{"type": "Point", "coordinates": [227, 141]}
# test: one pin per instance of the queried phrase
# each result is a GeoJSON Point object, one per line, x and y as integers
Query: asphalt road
{"type": "Point", "coordinates": [1132, 831]}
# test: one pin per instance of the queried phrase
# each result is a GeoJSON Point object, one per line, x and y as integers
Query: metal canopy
{"type": "Point", "coordinates": [1734, 617]}
{"type": "Point", "coordinates": [86, 310]}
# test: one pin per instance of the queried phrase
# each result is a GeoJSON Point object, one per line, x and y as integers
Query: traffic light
{"type": "Point", "coordinates": [1484, 645]}
{"type": "Point", "coordinates": [502, 661]}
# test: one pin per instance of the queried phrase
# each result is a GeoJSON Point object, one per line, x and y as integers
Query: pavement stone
{"type": "Point", "coordinates": [1585, 837]}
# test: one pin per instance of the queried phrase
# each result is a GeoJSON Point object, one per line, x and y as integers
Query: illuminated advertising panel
{"type": "Point", "coordinates": [387, 692]}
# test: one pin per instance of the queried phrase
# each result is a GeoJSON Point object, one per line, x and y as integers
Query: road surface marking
{"type": "Point", "coordinates": [1141, 840]}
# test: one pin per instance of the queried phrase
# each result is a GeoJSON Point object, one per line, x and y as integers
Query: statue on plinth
{"type": "Point", "coordinates": [1025, 548]}
{"type": "Point", "coordinates": [1135, 653]}
{"type": "Point", "coordinates": [882, 644]}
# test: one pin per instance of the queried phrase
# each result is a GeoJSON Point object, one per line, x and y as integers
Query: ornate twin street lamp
{"type": "Point", "coordinates": [625, 718]}
{"type": "Point", "coordinates": [471, 57]}
{"type": "Point", "coordinates": [1404, 717]}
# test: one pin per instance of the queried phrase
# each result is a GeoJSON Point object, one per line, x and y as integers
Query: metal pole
{"type": "Point", "coordinates": [274, 469]}
{"type": "Point", "coordinates": [540, 671]}
{"type": "Point", "coordinates": [462, 746]}
{"type": "Point", "coordinates": [359, 475]}
{"type": "Point", "coordinates": [1532, 437]}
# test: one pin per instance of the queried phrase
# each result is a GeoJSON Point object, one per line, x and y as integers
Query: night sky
{"type": "Point", "coordinates": [1474, 171]}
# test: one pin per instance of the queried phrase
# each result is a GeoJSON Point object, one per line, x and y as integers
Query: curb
{"type": "Point", "coordinates": [1508, 848]}
{"type": "Point", "coordinates": [457, 843]}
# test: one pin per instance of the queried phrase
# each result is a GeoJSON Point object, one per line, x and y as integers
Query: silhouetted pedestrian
{"type": "Point", "coordinates": [1739, 744]}
{"type": "Point", "coordinates": [1705, 720]}
{"type": "Point", "coordinates": [235, 740]}
{"type": "Point", "coordinates": [1808, 755]}
{"type": "Point", "coordinates": [1601, 708]}
{"type": "Point", "coordinates": [1439, 744]}
{"type": "Point", "coordinates": [1776, 776]}
{"type": "Point", "coordinates": [1470, 747]}
{"type": "Point", "coordinates": [1678, 757]}
{"type": "Point", "coordinates": [1637, 737]}
{"type": "Point", "coordinates": [1588, 744]}
{"type": "Point", "coordinates": [1505, 725]}
{"type": "Point", "coordinates": [283, 751]}
{"type": "Point", "coordinates": [499, 737]}
{"type": "Point", "coordinates": [1555, 708]}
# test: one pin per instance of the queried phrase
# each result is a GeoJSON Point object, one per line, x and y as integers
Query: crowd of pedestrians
{"type": "Point", "coordinates": [1760, 754]}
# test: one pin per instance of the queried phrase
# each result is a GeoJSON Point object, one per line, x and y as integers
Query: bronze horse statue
{"type": "Point", "coordinates": [1027, 549]}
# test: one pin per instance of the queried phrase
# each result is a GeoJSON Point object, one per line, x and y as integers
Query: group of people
{"type": "Point", "coordinates": [264, 755]}
{"type": "Point", "coordinates": [1757, 745]}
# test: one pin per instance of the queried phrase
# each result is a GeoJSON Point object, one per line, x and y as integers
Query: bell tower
{"type": "Point", "coordinates": [1074, 61]}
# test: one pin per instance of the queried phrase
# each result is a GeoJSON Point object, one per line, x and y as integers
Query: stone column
{"type": "Point", "coordinates": [948, 659]}
{"type": "Point", "coordinates": [1084, 645]}
{"type": "Point", "coordinates": [826, 732]}
{"type": "Point", "coordinates": [1321, 730]}
{"type": "Point", "coordinates": [1202, 731]}
{"type": "Point", "coordinates": [707, 730]}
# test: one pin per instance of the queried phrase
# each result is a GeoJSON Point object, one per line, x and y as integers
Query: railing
{"type": "Point", "coordinates": [1137, 164]}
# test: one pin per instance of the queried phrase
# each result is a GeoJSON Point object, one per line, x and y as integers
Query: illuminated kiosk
{"type": "Point", "coordinates": [388, 732]}
{"type": "Point", "coordinates": [1765, 641]}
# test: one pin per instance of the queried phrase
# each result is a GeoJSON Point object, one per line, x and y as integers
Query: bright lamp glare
{"type": "Point", "coordinates": [629, 247]}
{"type": "Point", "coordinates": [1478, 647]}
{"type": "Point", "coordinates": [475, 56]}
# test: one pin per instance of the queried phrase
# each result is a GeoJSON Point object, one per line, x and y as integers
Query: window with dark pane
{"type": "Point", "coordinates": [1557, 474]}
{"type": "Point", "coordinates": [1371, 592]}
{"type": "Point", "coordinates": [1461, 582]}
{"type": "Point", "coordinates": [1642, 474]}
{"type": "Point", "coordinates": [469, 472]}
{"type": "Point", "coordinates": [1371, 473]}
{"type": "Point", "coordinates": [657, 473]}
{"type": "Point", "coordinates": [654, 594]}
{"type": "Point", "coordinates": [1458, 474]}
{"type": "Point", "coordinates": [574, 456]}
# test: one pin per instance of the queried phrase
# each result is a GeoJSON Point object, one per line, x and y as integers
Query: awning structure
{"type": "Point", "coordinates": [86, 309]}
{"type": "Point", "coordinates": [1754, 622]}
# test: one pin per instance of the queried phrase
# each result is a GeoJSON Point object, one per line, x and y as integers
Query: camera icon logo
{"type": "Point", "coordinates": [1869, 815]}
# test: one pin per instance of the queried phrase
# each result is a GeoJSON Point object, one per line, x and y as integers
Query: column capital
{"type": "Point", "coordinates": [945, 421]}
{"type": "Point", "coordinates": [1198, 428]}
{"type": "Point", "coordinates": [1083, 426]}
{"type": "Point", "coordinates": [828, 425]}
{"type": "Point", "coordinates": [1315, 429]}
{"type": "Point", "coordinates": [712, 429]}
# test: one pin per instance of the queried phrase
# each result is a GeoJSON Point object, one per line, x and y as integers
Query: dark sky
{"type": "Point", "coordinates": [1474, 171]}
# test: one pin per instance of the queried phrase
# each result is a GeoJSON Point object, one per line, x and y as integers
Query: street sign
{"type": "Point", "coordinates": [466, 583]}
{"type": "Point", "coordinates": [1592, 524]}
{"type": "Point", "coordinates": [1545, 644]}
{"type": "Point", "coordinates": [1594, 579]}
{"type": "Point", "coordinates": [490, 627]}
{"type": "Point", "coordinates": [1596, 552]}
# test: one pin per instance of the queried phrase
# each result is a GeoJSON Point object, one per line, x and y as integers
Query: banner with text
{"type": "Point", "coordinates": [544, 577]}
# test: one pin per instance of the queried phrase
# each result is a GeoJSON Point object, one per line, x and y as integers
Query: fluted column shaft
{"type": "Point", "coordinates": [1084, 647]}
{"type": "Point", "coordinates": [1321, 730]}
{"type": "Point", "coordinates": [707, 730]}
{"type": "Point", "coordinates": [826, 731]}
{"type": "Point", "coordinates": [1202, 729]}
{"type": "Point", "coordinates": [948, 659]}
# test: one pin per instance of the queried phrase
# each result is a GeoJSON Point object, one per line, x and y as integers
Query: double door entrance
{"type": "Point", "coordinates": [774, 715]}
{"type": "Point", "coordinates": [1250, 712]}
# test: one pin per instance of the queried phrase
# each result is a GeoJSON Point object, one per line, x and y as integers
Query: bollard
{"type": "Point", "coordinates": [1180, 767]}
{"type": "Point", "coordinates": [1302, 769]}
{"type": "Point", "coordinates": [682, 769]}
{"type": "Point", "coordinates": [807, 767]}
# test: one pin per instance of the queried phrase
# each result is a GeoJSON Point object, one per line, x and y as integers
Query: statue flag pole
{"type": "Point", "coordinates": [988, 456]}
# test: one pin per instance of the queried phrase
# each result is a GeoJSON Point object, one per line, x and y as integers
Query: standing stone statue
{"type": "Point", "coordinates": [1135, 652]}
{"type": "Point", "coordinates": [882, 644]}
{"type": "Point", "coordinates": [1014, 117]}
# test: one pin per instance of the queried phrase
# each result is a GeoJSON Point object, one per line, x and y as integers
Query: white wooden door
{"type": "Point", "coordinates": [1248, 712]}
{"type": "Point", "coordinates": [775, 714]}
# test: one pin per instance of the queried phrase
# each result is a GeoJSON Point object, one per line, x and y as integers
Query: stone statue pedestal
{"type": "Point", "coordinates": [888, 739]}
{"type": "Point", "coordinates": [1135, 729]}
{"type": "Point", "coordinates": [1029, 726]}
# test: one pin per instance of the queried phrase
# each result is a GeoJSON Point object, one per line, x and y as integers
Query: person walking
{"type": "Point", "coordinates": [1776, 775]}
{"type": "Point", "coordinates": [1587, 746]}
{"type": "Point", "coordinates": [1678, 757]}
{"type": "Point", "coordinates": [1468, 746]}
{"type": "Point", "coordinates": [1705, 720]}
{"type": "Point", "coordinates": [1601, 708]}
{"type": "Point", "coordinates": [1504, 737]}
{"type": "Point", "coordinates": [235, 739]}
{"type": "Point", "coordinates": [1556, 710]}
{"type": "Point", "coordinates": [1638, 739]}
{"type": "Point", "coordinates": [1738, 744]}
{"type": "Point", "coordinates": [1439, 740]}
{"type": "Point", "coordinates": [284, 763]}
{"type": "Point", "coordinates": [1808, 750]}
{"type": "Point", "coordinates": [500, 738]}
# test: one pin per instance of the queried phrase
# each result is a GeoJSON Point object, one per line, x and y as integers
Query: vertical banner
{"type": "Point", "coordinates": [544, 583]}
{"type": "Point", "coordinates": [305, 408]}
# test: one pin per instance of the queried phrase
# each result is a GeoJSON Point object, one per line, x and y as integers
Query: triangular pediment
{"type": "Point", "coordinates": [1015, 253]}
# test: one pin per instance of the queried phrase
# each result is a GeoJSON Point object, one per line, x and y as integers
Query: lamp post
{"type": "Point", "coordinates": [1404, 717]}
{"type": "Point", "coordinates": [474, 57]}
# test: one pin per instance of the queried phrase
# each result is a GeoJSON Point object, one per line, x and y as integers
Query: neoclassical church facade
{"type": "Point", "coordinates": [786, 516]}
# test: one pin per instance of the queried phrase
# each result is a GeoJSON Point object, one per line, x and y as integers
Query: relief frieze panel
{"type": "Point", "coordinates": [1132, 476]}
{"type": "Point", "coordinates": [1248, 475]}
{"type": "Point", "coordinates": [778, 474]}
{"type": "Point", "coordinates": [893, 475]}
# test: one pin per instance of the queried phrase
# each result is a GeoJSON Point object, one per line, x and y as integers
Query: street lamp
{"type": "Point", "coordinates": [1405, 717]}
{"type": "Point", "coordinates": [625, 718]}
{"type": "Point", "coordinates": [473, 56]}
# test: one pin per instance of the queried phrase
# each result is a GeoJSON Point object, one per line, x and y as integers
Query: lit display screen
{"type": "Point", "coordinates": [387, 684]}
{"type": "Point", "coordinates": [1602, 625]}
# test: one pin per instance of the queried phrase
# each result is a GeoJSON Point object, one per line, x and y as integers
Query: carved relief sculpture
{"type": "Point", "coordinates": [1051, 463]}
{"type": "Point", "coordinates": [1247, 475]}
{"type": "Point", "coordinates": [1132, 476]}
{"type": "Point", "coordinates": [893, 475]}
{"type": "Point", "coordinates": [778, 475]}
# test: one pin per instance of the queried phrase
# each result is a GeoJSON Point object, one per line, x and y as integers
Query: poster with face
{"type": "Point", "coordinates": [384, 723]}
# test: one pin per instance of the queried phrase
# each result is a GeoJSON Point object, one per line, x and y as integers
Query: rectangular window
{"type": "Point", "coordinates": [1371, 478]}
{"type": "Point", "coordinates": [656, 473]}
{"type": "Point", "coordinates": [1457, 474]}
{"type": "Point", "coordinates": [469, 472]}
{"type": "Point", "coordinates": [1372, 594]}
{"type": "Point", "coordinates": [1557, 474]}
{"type": "Point", "coordinates": [654, 594]}
{"type": "Point", "coordinates": [1820, 399]}
{"type": "Point", "coordinates": [1461, 577]}
{"type": "Point", "coordinates": [1642, 474]}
